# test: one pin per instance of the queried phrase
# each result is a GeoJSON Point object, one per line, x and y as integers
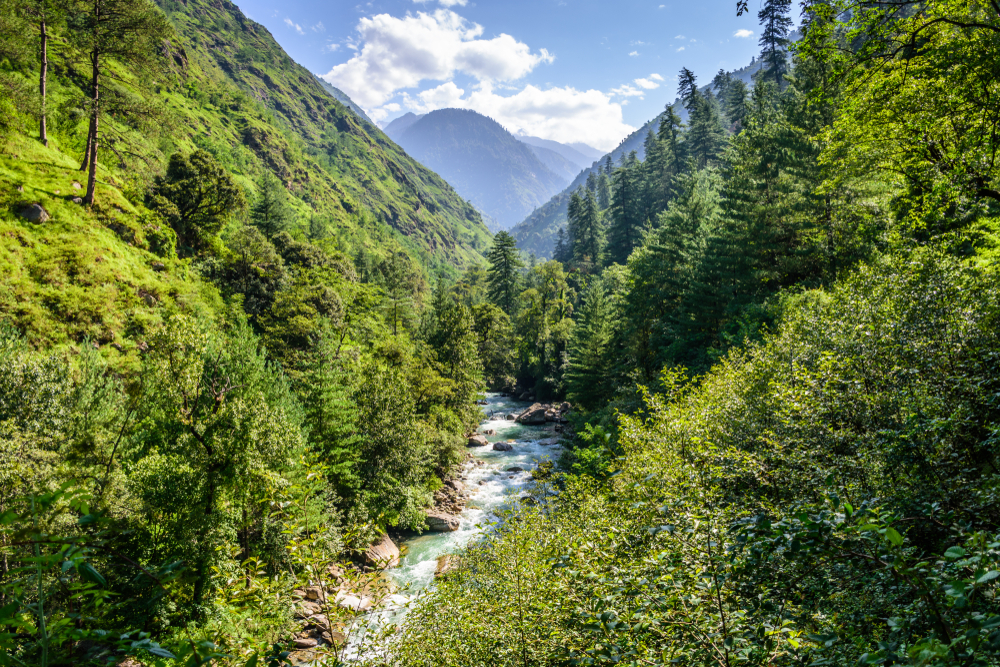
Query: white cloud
{"type": "Point", "coordinates": [743, 33]}
{"type": "Point", "coordinates": [561, 114]}
{"type": "Point", "coordinates": [634, 54]}
{"type": "Point", "coordinates": [680, 49]}
{"type": "Point", "coordinates": [647, 84]}
{"type": "Point", "coordinates": [398, 53]}
{"type": "Point", "coordinates": [292, 24]}
{"type": "Point", "coordinates": [680, 37]}
{"type": "Point", "coordinates": [656, 77]}
{"type": "Point", "coordinates": [319, 27]}
{"type": "Point", "coordinates": [331, 47]}
{"type": "Point", "coordinates": [446, 3]}
{"type": "Point", "coordinates": [628, 90]}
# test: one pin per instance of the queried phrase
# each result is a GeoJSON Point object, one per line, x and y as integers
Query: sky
{"type": "Point", "coordinates": [568, 70]}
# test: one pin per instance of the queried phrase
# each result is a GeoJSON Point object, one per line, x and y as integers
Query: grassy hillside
{"type": "Point", "coordinates": [329, 157]}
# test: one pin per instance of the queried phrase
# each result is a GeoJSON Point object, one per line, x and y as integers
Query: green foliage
{"type": "Point", "coordinates": [271, 212]}
{"type": "Point", "coordinates": [196, 196]}
{"type": "Point", "coordinates": [503, 278]}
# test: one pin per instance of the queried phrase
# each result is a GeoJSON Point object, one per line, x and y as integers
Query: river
{"type": "Point", "coordinates": [490, 487]}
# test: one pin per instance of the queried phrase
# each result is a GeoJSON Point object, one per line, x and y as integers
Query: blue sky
{"type": "Point", "coordinates": [568, 70]}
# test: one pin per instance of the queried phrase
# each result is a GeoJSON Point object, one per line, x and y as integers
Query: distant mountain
{"type": "Point", "coordinates": [559, 165]}
{"type": "Point", "coordinates": [501, 176]}
{"type": "Point", "coordinates": [342, 97]}
{"type": "Point", "coordinates": [581, 158]}
{"type": "Point", "coordinates": [401, 124]}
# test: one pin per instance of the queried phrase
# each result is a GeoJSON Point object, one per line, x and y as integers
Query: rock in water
{"type": "Point", "coordinates": [455, 485]}
{"type": "Point", "coordinates": [35, 213]}
{"type": "Point", "coordinates": [533, 416]}
{"type": "Point", "coordinates": [445, 564]}
{"type": "Point", "coordinates": [502, 447]}
{"type": "Point", "coordinates": [478, 441]}
{"type": "Point", "coordinates": [439, 522]}
{"type": "Point", "coordinates": [383, 553]}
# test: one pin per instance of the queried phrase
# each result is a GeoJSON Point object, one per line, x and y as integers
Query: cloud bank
{"type": "Point", "coordinates": [393, 55]}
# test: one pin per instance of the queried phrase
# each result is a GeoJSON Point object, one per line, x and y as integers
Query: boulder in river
{"type": "Point", "coordinates": [383, 553]}
{"type": "Point", "coordinates": [445, 564]}
{"type": "Point", "coordinates": [511, 418]}
{"type": "Point", "coordinates": [478, 441]}
{"type": "Point", "coordinates": [455, 485]}
{"type": "Point", "coordinates": [439, 522]}
{"type": "Point", "coordinates": [533, 416]}
{"type": "Point", "coordinates": [502, 447]}
{"type": "Point", "coordinates": [515, 469]}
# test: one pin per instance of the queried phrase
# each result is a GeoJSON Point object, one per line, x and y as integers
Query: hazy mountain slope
{"type": "Point", "coordinates": [341, 165]}
{"type": "Point", "coordinates": [396, 128]}
{"type": "Point", "coordinates": [581, 159]}
{"type": "Point", "coordinates": [559, 165]}
{"type": "Point", "coordinates": [342, 97]}
{"type": "Point", "coordinates": [486, 164]}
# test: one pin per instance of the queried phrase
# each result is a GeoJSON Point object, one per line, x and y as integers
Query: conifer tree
{"type": "Point", "coordinates": [774, 17]}
{"type": "Point", "coordinates": [706, 134]}
{"type": "Point", "coordinates": [127, 32]}
{"type": "Point", "coordinates": [687, 87]}
{"type": "Point", "coordinates": [603, 192]}
{"type": "Point", "coordinates": [623, 230]}
{"type": "Point", "coordinates": [563, 252]}
{"type": "Point", "coordinates": [587, 236]}
{"type": "Point", "coordinates": [586, 375]}
{"type": "Point", "coordinates": [271, 213]}
{"type": "Point", "coordinates": [503, 272]}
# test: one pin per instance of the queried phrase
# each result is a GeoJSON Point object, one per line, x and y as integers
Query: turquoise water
{"type": "Point", "coordinates": [490, 487]}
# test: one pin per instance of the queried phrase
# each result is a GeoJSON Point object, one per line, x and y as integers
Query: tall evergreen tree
{"type": "Point", "coordinates": [587, 234]}
{"type": "Point", "coordinates": [271, 213]}
{"type": "Point", "coordinates": [776, 22]}
{"type": "Point", "coordinates": [706, 134]}
{"type": "Point", "coordinates": [687, 87]}
{"type": "Point", "coordinates": [586, 375]}
{"type": "Point", "coordinates": [126, 32]}
{"type": "Point", "coordinates": [603, 192]}
{"type": "Point", "coordinates": [623, 230]}
{"type": "Point", "coordinates": [503, 272]}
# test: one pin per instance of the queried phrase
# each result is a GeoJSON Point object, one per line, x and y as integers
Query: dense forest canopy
{"type": "Point", "coordinates": [222, 379]}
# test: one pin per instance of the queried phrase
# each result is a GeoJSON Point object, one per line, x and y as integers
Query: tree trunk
{"type": "Point", "coordinates": [42, 81]}
{"type": "Point", "coordinates": [86, 153]}
{"type": "Point", "coordinates": [94, 125]}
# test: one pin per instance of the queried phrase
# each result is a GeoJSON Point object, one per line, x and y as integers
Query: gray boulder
{"type": "Point", "coordinates": [35, 213]}
{"type": "Point", "coordinates": [502, 447]}
{"type": "Point", "coordinates": [478, 441]}
{"type": "Point", "coordinates": [439, 522]}
{"type": "Point", "coordinates": [533, 416]}
{"type": "Point", "coordinates": [383, 553]}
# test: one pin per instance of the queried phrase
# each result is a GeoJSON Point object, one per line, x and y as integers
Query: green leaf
{"type": "Point", "coordinates": [893, 536]}
{"type": "Point", "coordinates": [252, 662]}
{"type": "Point", "coordinates": [989, 576]}
{"type": "Point", "coordinates": [9, 610]}
{"type": "Point", "coordinates": [161, 652]}
{"type": "Point", "coordinates": [88, 572]}
{"type": "Point", "coordinates": [954, 553]}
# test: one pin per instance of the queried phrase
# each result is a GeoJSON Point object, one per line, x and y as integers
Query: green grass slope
{"type": "Point", "coordinates": [333, 160]}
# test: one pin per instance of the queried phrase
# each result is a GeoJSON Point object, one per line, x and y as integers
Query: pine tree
{"type": "Point", "coordinates": [563, 252]}
{"type": "Point", "coordinates": [271, 212]}
{"type": "Point", "coordinates": [603, 192]}
{"type": "Point", "coordinates": [587, 236]}
{"type": "Point", "coordinates": [586, 375]}
{"type": "Point", "coordinates": [503, 272]}
{"type": "Point", "coordinates": [774, 17]}
{"type": "Point", "coordinates": [623, 231]}
{"type": "Point", "coordinates": [687, 87]}
{"type": "Point", "coordinates": [127, 32]}
{"type": "Point", "coordinates": [706, 134]}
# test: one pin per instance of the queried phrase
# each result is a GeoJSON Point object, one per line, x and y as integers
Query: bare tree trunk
{"type": "Point", "coordinates": [42, 81]}
{"type": "Point", "coordinates": [94, 126]}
